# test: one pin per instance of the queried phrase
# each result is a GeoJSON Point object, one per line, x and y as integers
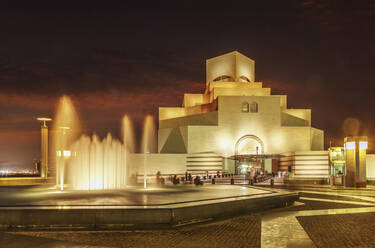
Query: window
{"type": "Point", "coordinates": [254, 107]}
{"type": "Point", "coordinates": [224, 78]}
{"type": "Point", "coordinates": [244, 79]}
{"type": "Point", "coordinates": [245, 107]}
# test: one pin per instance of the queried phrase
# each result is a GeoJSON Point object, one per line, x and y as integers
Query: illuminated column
{"type": "Point", "coordinates": [44, 147]}
{"type": "Point", "coordinates": [355, 150]}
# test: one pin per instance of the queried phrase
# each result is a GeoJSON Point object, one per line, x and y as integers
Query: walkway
{"type": "Point", "coordinates": [283, 229]}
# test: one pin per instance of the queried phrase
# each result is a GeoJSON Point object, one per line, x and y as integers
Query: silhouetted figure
{"type": "Point", "coordinates": [158, 175]}
{"type": "Point", "coordinates": [175, 180]}
{"type": "Point", "coordinates": [198, 181]}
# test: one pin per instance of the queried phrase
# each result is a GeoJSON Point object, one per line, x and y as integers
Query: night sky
{"type": "Point", "coordinates": [115, 58]}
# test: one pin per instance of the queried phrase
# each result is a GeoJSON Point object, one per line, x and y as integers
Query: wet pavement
{"type": "Point", "coordinates": [322, 218]}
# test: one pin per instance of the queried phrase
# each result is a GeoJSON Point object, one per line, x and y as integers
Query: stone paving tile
{"type": "Point", "coordinates": [333, 197]}
{"type": "Point", "coordinates": [8, 240]}
{"type": "Point", "coordinates": [241, 231]}
{"type": "Point", "coordinates": [317, 205]}
{"type": "Point", "coordinates": [342, 230]}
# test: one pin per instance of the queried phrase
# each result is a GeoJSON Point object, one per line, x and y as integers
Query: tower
{"type": "Point", "coordinates": [230, 67]}
{"type": "Point", "coordinates": [44, 147]}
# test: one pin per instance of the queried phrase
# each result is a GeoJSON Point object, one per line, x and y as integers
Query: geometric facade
{"type": "Point", "coordinates": [235, 115]}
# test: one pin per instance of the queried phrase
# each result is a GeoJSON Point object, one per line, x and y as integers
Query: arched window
{"type": "Point", "coordinates": [254, 107]}
{"type": "Point", "coordinates": [244, 79]}
{"type": "Point", "coordinates": [245, 107]}
{"type": "Point", "coordinates": [224, 78]}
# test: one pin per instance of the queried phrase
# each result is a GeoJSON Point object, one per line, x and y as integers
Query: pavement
{"type": "Point", "coordinates": [323, 217]}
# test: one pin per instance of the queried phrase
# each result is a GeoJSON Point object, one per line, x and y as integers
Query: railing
{"type": "Point", "coordinates": [207, 179]}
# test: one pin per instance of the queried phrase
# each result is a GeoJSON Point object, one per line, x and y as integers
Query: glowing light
{"type": "Point", "coordinates": [350, 145]}
{"type": "Point", "coordinates": [224, 143]}
{"type": "Point", "coordinates": [363, 145]}
{"type": "Point", "coordinates": [67, 153]}
{"type": "Point", "coordinates": [44, 120]}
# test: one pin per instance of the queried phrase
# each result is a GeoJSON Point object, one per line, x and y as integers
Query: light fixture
{"type": "Point", "coordinates": [363, 145]}
{"type": "Point", "coordinates": [350, 145]}
{"type": "Point", "coordinates": [44, 120]}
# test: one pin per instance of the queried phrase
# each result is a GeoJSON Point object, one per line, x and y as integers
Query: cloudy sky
{"type": "Point", "coordinates": [115, 58]}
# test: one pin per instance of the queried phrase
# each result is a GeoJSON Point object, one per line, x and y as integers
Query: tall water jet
{"type": "Point", "coordinates": [88, 162]}
{"type": "Point", "coordinates": [128, 140]}
{"type": "Point", "coordinates": [100, 164]}
{"type": "Point", "coordinates": [148, 143]}
{"type": "Point", "coordinates": [66, 128]}
{"type": "Point", "coordinates": [97, 164]}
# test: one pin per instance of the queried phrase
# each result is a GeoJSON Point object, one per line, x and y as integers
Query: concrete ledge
{"type": "Point", "coordinates": [24, 181]}
{"type": "Point", "coordinates": [311, 181]}
{"type": "Point", "coordinates": [117, 217]}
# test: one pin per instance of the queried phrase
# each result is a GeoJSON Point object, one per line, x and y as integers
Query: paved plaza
{"type": "Point", "coordinates": [321, 218]}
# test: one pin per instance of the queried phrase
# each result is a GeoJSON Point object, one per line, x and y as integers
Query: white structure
{"type": "Point", "coordinates": [370, 166]}
{"type": "Point", "coordinates": [306, 164]}
{"type": "Point", "coordinates": [235, 115]}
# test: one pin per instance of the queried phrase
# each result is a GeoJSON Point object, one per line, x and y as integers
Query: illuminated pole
{"type": "Point", "coordinates": [44, 147]}
{"type": "Point", "coordinates": [145, 170]}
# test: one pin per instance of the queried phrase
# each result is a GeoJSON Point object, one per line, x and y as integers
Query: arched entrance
{"type": "Point", "coordinates": [247, 150]}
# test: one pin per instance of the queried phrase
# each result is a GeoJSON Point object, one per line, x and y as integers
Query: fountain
{"type": "Point", "coordinates": [97, 164]}
{"type": "Point", "coordinates": [66, 129]}
{"type": "Point", "coordinates": [88, 163]}
{"type": "Point", "coordinates": [147, 144]}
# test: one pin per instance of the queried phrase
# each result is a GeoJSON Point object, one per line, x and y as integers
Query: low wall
{"type": "Point", "coordinates": [24, 181]}
{"type": "Point", "coordinates": [144, 217]}
{"type": "Point", "coordinates": [310, 181]}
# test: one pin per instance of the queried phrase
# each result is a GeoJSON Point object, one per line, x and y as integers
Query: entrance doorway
{"type": "Point", "coordinates": [249, 151]}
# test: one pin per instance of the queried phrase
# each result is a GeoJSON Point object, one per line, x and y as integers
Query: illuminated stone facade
{"type": "Point", "coordinates": [234, 106]}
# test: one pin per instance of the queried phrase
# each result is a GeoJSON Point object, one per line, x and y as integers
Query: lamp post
{"type": "Point", "coordinates": [44, 147]}
{"type": "Point", "coordinates": [145, 169]}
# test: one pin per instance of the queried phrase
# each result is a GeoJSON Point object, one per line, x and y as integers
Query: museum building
{"type": "Point", "coordinates": [237, 116]}
{"type": "Point", "coordinates": [237, 125]}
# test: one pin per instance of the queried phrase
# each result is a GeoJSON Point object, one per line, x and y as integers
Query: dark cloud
{"type": "Point", "coordinates": [115, 58]}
